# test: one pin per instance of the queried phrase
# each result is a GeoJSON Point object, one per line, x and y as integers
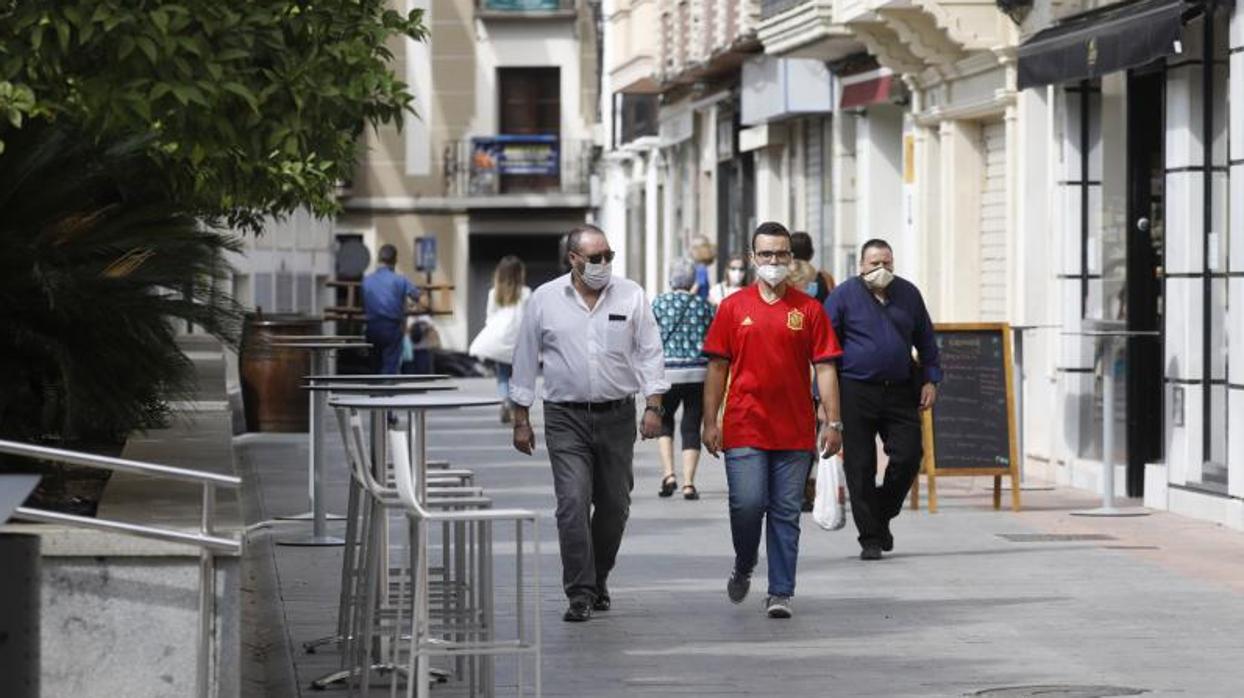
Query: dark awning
{"type": "Point", "coordinates": [1116, 37]}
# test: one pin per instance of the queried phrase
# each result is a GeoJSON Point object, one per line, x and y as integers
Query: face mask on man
{"type": "Point", "coordinates": [735, 276]}
{"type": "Point", "coordinates": [878, 278]}
{"type": "Point", "coordinates": [773, 274]}
{"type": "Point", "coordinates": [596, 276]}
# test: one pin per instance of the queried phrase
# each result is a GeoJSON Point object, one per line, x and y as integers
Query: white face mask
{"type": "Point", "coordinates": [596, 276]}
{"type": "Point", "coordinates": [773, 274]}
{"type": "Point", "coordinates": [735, 276]}
{"type": "Point", "coordinates": [878, 278]}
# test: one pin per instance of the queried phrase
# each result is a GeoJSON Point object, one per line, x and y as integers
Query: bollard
{"type": "Point", "coordinates": [19, 615]}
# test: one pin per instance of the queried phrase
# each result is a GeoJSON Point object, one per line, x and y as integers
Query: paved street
{"type": "Point", "coordinates": [1154, 604]}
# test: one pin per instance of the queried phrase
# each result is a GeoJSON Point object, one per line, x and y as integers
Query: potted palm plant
{"type": "Point", "coordinates": [98, 270]}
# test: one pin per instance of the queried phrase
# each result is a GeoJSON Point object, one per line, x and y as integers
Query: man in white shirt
{"type": "Point", "coordinates": [600, 345]}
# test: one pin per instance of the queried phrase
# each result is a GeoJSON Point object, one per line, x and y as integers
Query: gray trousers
{"type": "Point", "coordinates": [591, 454]}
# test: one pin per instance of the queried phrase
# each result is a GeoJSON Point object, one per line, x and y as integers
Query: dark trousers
{"type": "Point", "coordinates": [591, 453]}
{"type": "Point", "coordinates": [691, 397]}
{"type": "Point", "coordinates": [385, 337]}
{"type": "Point", "coordinates": [893, 412]}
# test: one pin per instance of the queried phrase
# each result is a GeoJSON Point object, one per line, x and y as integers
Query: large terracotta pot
{"type": "Point", "coordinates": [272, 397]}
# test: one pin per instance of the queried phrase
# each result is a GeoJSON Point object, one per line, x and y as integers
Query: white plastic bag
{"type": "Point", "coordinates": [829, 510]}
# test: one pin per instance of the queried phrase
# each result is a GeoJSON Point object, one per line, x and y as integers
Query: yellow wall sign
{"type": "Point", "coordinates": [909, 159]}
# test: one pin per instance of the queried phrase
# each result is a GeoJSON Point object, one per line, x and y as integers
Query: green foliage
{"type": "Point", "coordinates": [254, 106]}
{"type": "Point", "coordinates": [95, 267]}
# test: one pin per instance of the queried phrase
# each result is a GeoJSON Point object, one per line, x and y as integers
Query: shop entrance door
{"type": "Point", "coordinates": [1143, 296]}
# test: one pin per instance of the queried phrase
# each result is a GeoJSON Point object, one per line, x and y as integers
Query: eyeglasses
{"type": "Point", "coordinates": [606, 257]}
{"type": "Point", "coordinates": [780, 256]}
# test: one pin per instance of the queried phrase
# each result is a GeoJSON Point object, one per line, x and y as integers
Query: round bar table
{"type": "Point", "coordinates": [356, 378]}
{"type": "Point", "coordinates": [341, 385]}
{"type": "Point", "coordinates": [380, 390]}
{"type": "Point", "coordinates": [321, 348]}
{"type": "Point", "coordinates": [416, 406]}
{"type": "Point", "coordinates": [1109, 347]}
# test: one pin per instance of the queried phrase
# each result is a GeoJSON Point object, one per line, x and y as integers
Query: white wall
{"type": "Point", "coordinates": [284, 268]}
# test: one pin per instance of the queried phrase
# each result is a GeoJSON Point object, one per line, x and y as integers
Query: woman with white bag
{"type": "Point", "coordinates": [495, 343]}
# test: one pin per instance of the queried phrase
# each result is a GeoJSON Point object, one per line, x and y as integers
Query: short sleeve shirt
{"type": "Point", "coordinates": [770, 347]}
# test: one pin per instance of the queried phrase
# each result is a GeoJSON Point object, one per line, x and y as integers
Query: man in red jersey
{"type": "Point", "coordinates": [762, 343]}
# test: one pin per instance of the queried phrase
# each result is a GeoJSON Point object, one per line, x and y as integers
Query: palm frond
{"type": "Point", "coordinates": [97, 267]}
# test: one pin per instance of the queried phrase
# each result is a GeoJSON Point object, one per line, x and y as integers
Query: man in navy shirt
{"type": "Point", "coordinates": [878, 318]}
{"type": "Point", "coordinates": [384, 306]}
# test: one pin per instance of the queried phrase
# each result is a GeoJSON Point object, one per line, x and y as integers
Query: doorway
{"type": "Point", "coordinates": [529, 103]}
{"type": "Point", "coordinates": [1143, 296]}
{"type": "Point", "coordinates": [539, 253]}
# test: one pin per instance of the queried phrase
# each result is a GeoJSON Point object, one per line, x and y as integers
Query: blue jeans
{"type": "Point", "coordinates": [504, 371]}
{"type": "Point", "coordinates": [767, 485]}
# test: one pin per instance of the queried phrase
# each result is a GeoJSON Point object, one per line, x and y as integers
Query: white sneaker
{"type": "Point", "coordinates": [778, 607]}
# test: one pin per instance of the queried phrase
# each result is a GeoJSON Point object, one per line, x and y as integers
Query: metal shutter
{"type": "Point", "coordinates": [813, 175]}
{"type": "Point", "coordinates": [993, 223]}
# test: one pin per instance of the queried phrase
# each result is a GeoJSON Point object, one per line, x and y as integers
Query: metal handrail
{"type": "Point", "coordinates": [224, 545]}
{"type": "Point", "coordinates": [207, 543]}
{"type": "Point", "coordinates": [120, 465]}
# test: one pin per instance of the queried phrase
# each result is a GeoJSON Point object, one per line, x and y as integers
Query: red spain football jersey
{"type": "Point", "coordinates": [770, 347]}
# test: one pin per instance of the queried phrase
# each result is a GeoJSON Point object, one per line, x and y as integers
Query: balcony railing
{"type": "Point", "coordinates": [517, 9]}
{"type": "Point", "coordinates": [485, 166]}
{"type": "Point", "coordinates": [770, 8]}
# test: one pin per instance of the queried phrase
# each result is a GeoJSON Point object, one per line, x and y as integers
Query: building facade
{"type": "Point", "coordinates": [1145, 139]}
{"type": "Point", "coordinates": [673, 166]}
{"type": "Point", "coordinates": [1032, 163]}
{"type": "Point", "coordinates": [498, 158]}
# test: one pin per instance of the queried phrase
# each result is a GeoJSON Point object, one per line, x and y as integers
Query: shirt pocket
{"type": "Point", "coordinates": [617, 334]}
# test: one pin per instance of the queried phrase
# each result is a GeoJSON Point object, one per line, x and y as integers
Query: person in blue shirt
{"type": "Point", "coordinates": [384, 308]}
{"type": "Point", "coordinates": [879, 318]}
{"type": "Point", "coordinates": [703, 253]}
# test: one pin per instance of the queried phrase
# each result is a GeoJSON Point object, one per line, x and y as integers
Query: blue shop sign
{"type": "Point", "coordinates": [516, 155]}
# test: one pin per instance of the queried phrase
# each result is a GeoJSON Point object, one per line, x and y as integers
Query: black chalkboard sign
{"type": "Point", "coordinates": [972, 427]}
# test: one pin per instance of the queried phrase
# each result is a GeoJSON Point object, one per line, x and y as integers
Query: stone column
{"type": "Point", "coordinates": [960, 220]}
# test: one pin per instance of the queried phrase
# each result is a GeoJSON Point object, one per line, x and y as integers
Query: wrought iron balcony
{"type": "Point", "coordinates": [498, 166]}
{"type": "Point", "coordinates": [530, 9]}
{"type": "Point", "coordinates": [769, 8]}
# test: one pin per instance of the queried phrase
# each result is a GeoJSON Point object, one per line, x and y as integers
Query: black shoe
{"type": "Point", "coordinates": [668, 484]}
{"type": "Point", "coordinates": [871, 552]}
{"type": "Point", "coordinates": [579, 611]}
{"type": "Point", "coordinates": [737, 586]}
{"type": "Point", "coordinates": [887, 538]}
{"type": "Point", "coordinates": [602, 603]}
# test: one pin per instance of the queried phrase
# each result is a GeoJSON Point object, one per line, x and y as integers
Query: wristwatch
{"type": "Point", "coordinates": [836, 426]}
{"type": "Point", "coordinates": [655, 409]}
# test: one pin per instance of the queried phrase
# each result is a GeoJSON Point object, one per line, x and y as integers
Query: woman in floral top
{"type": "Point", "coordinates": [684, 318]}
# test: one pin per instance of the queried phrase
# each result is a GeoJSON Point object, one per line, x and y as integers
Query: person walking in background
{"type": "Point", "coordinates": [684, 319]}
{"type": "Point", "coordinates": [385, 294]}
{"type": "Point", "coordinates": [600, 345]}
{"type": "Point", "coordinates": [806, 277]}
{"type": "Point", "coordinates": [736, 279]}
{"type": "Point", "coordinates": [880, 318]}
{"type": "Point", "coordinates": [703, 253]}
{"type": "Point", "coordinates": [763, 342]}
{"type": "Point", "coordinates": [818, 284]}
{"type": "Point", "coordinates": [495, 342]}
